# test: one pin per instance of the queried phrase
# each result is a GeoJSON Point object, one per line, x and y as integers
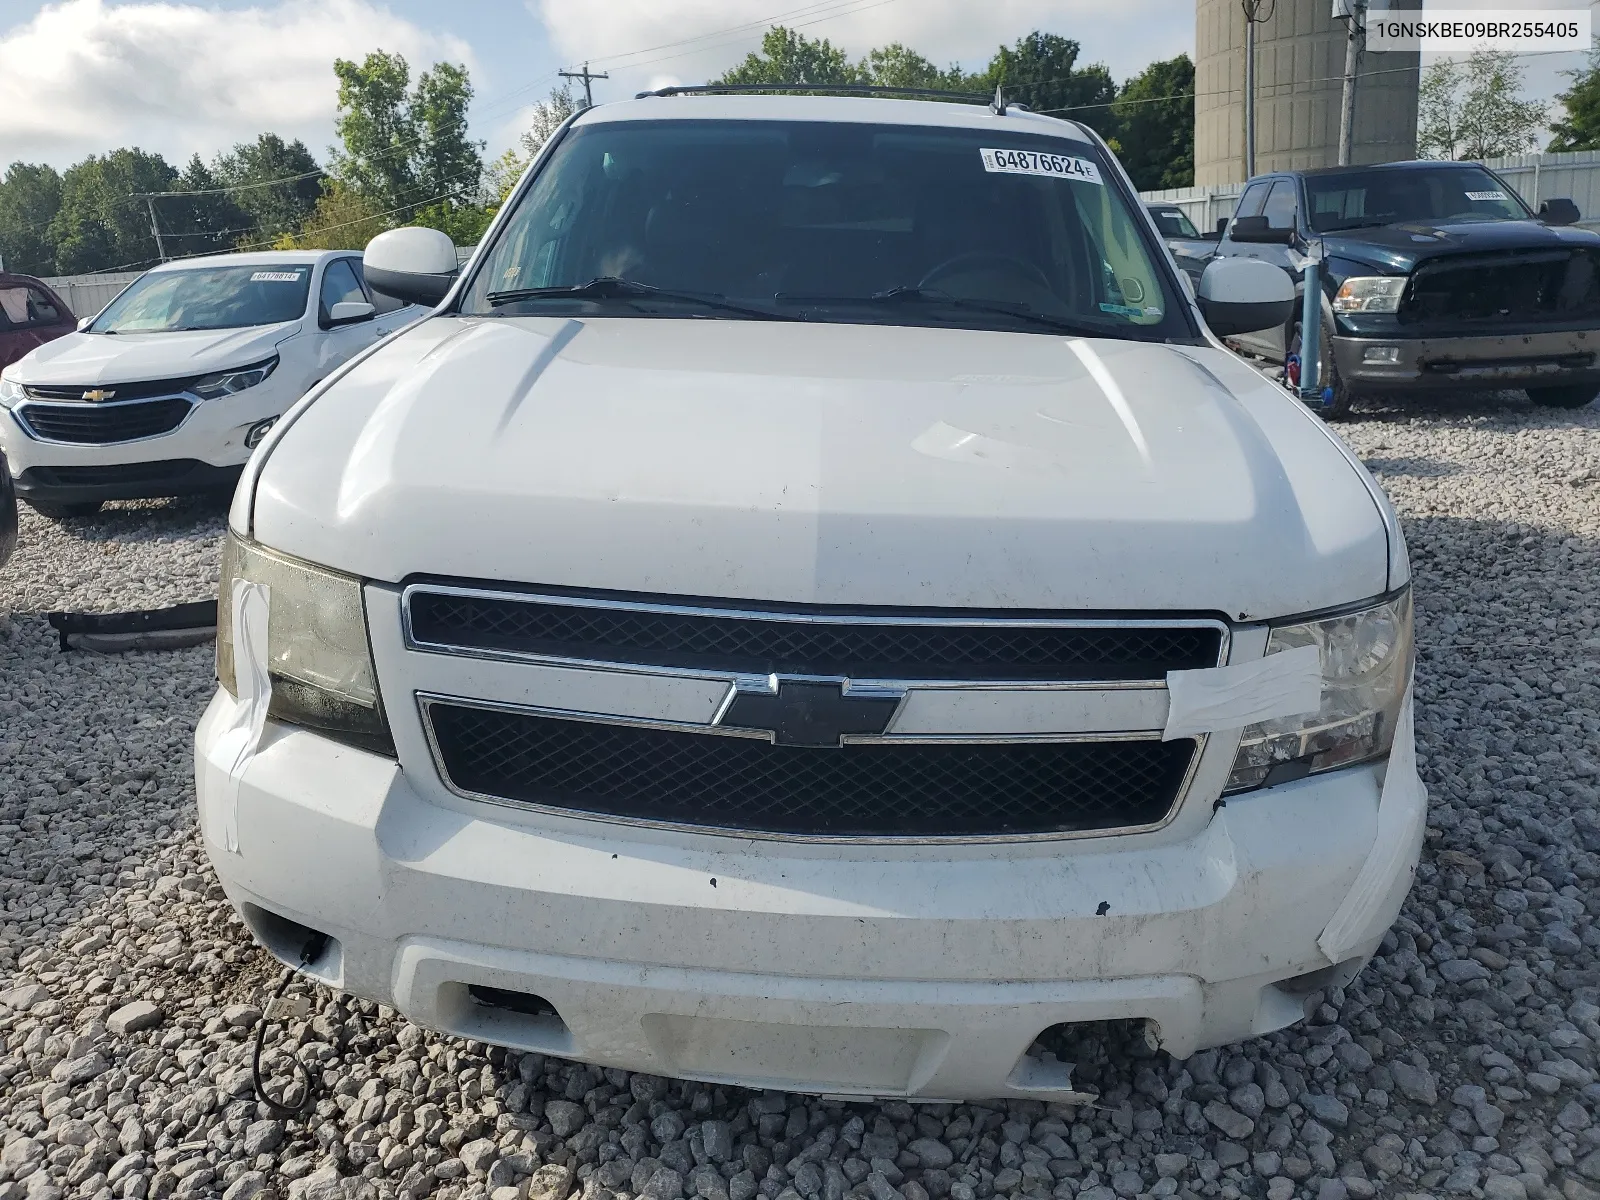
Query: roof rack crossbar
{"type": "Point", "coordinates": [861, 88]}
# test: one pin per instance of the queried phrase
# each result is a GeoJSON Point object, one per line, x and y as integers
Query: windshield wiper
{"type": "Point", "coordinates": [609, 287]}
{"type": "Point", "coordinates": [905, 294]}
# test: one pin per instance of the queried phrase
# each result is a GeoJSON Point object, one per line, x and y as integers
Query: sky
{"type": "Point", "coordinates": [86, 76]}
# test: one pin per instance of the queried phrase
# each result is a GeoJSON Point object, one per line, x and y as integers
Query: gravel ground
{"type": "Point", "coordinates": [1462, 1062]}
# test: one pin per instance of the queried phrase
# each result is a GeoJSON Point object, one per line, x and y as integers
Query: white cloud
{"type": "Point", "coordinates": [1126, 36]}
{"type": "Point", "coordinates": [84, 76]}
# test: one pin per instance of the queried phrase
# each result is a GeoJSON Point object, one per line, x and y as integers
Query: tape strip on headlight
{"type": "Point", "coordinates": [1366, 658]}
{"type": "Point", "coordinates": [318, 656]}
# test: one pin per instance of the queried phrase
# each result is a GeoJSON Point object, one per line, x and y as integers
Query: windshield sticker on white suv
{"type": "Point", "coordinates": [1031, 162]}
{"type": "Point", "coordinates": [1486, 195]}
{"type": "Point", "coordinates": [275, 277]}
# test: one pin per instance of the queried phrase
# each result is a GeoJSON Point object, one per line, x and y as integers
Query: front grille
{"type": "Point", "coordinates": [862, 790]}
{"type": "Point", "coordinates": [170, 470]}
{"type": "Point", "coordinates": [793, 644]}
{"type": "Point", "coordinates": [98, 425]}
{"type": "Point", "coordinates": [1529, 287]}
{"type": "Point", "coordinates": [119, 391]}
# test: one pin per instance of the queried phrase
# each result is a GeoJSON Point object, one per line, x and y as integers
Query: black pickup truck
{"type": "Point", "coordinates": [1434, 275]}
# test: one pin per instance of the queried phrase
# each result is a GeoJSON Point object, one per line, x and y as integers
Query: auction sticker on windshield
{"type": "Point", "coordinates": [1486, 195]}
{"type": "Point", "coordinates": [1032, 162]}
{"type": "Point", "coordinates": [275, 277]}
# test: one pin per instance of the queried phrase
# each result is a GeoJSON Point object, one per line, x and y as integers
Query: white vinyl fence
{"type": "Point", "coordinates": [86, 295]}
{"type": "Point", "coordinates": [1537, 177]}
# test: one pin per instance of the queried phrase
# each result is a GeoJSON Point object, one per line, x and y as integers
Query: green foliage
{"type": "Point", "coordinates": [895, 65]}
{"type": "Point", "coordinates": [100, 225]}
{"type": "Point", "coordinates": [1579, 129]}
{"type": "Point", "coordinates": [204, 224]}
{"type": "Point", "coordinates": [790, 57]}
{"type": "Point", "coordinates": [342, 220]}
{"type": "Point", "coordinates": [1477, 110]}
{"type": "Point", "coordinates": [30, 196]}
{"type": "Point", "coordinates": [464, 223]}
{"type": "Point", "coordinates": [404, 147]}
{"type": "Point", "coordinates": [1155, 136]}
{"type": "Point", "coordinates": [279, 207]}
{"type": "Point", "coordinates": [1041, 71]}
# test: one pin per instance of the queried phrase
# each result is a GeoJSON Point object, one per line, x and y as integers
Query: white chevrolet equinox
{"type": "Point", "coordinates": [815, 607]}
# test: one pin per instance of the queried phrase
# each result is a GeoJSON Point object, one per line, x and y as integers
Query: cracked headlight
{"type": "Point", "coordinates": [225, 383]}
{"type": "Point", "coordinates": [318, 656]}
{"type": "Point", "coordinates": [1366, 666]}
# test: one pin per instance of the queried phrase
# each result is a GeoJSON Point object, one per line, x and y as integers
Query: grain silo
{"type": "Point", "coordinates": [1300, 56]}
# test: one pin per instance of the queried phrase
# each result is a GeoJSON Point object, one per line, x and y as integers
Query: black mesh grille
{"type": "Point", "coordinates": [166, 471]}
{"type": "Point", "coordinates": [93, 424]}
{"type": "Point", "coordinates": [1537, 287]}
{"type": "Point", "coordinates": [883, 790]}
{"type": "Point", "coordinates": [814, 647]}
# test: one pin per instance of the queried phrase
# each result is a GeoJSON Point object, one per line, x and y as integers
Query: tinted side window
{"type": "Point", "coordinates": [1280, 207]}
{"type": "Point", "coordinates": [339, 284]}
{"type": "Point", "coordinates": [1250, 203]}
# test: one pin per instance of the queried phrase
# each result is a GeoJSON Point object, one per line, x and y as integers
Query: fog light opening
{"type": "Point", "coordinates": [525, 1003]}
{"type": "Point", "coordinates": [259, 430]}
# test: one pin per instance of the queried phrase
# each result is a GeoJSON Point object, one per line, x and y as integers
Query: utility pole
{"type": "Point", "coordinates": [155, 228]}
{"type": "Point", "coordinates": [587, 77]}
{"type": "Point", "coordinates": [1355, 13]}
{"type": "Point", "coordinates": [1252, 17]}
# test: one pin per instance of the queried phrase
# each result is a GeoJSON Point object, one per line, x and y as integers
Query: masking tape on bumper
{"type": "Point", "coordinates": [1284, 684]}
{"type": "Point", "coordinates": [1402, 813]}
{"type": "Point", "coordinates": [239, 737]}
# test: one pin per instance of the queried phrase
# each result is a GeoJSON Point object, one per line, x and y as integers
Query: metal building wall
{"type": "Point", "coordinates": [1299, 87]}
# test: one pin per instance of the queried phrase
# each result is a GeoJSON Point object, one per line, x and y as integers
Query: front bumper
{"type": "Point", "coordinates": [206, 452]}
{"type": "Point", "coordinates": [915, 970]}
{"type": "Point", "coordinates": [1504, 361]}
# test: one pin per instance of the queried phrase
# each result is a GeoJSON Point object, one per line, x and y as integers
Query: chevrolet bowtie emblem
{"type": "Point", "coordinates": [811, 713]}
{"type": "Point", "coordinates": [98, 394]}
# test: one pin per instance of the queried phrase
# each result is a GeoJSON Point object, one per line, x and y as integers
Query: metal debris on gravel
{"type": "Point", "coordinates": [1462, 1062]}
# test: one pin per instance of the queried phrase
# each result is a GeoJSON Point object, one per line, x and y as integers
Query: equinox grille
{"type": "Point", "coordinates": [101, 424]}
{"type": "Point", "coordinates": [865, 790]}
{"type": "Point", "coordinates": [786, 644]}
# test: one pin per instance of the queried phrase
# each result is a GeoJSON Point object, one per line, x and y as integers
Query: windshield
{"type": "Point", "coordinates": [822, 221]}
{"type": "Point", "coordinates": [1350, 200]}
{"type": "Point", "coordinates": [208, 298]}
{"type": "Point", "coordinates": [1172, 222]}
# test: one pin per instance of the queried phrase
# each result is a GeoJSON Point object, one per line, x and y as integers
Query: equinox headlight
{"type": "Point", "coordinates": [11, 392]}
{"type": "Point", "coordinates": [225, 383]}
{"type": "Point", "coordinates": [1366, 667]}
{"type": "Point", "coordinates": [318, 657]}
{"type": "Point", "coordinates": [1370, 294]}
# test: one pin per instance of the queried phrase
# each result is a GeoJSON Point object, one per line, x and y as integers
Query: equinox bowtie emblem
{"type": "Point", "coordinates": [807, 713]}
{"type": "Point", "coordinates": [98, 394]}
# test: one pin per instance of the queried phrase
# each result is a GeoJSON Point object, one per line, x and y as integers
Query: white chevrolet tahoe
{"type": "Point", "coordinates": [815, 607]}
{"type": "Point", "coordinates": [168, 390]}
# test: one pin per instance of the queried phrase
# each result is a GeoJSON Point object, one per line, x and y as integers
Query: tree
{"type": "Point", "coordinates": [207, 223]}
{"type": "Point", "coordinates": [342, 220]}
{"type": "Point", "coordinates": [895, 65]}
{"type": "Point", "coordinates": [404, 147]}
{"type": "Point", "coordinates": [101, 223]}
{"type": "Point", "coordinates": [273, 208]}
{"type": "Point", "coordinates": [1041, 71]}
{"type": "Point", "coordinates": [30, 197]}
{"type": "Point", "coordinates": [790, 57]}
{"type": "Point", "coordinates": [1155, 136]}
{"type": "Point", "coordinates": [1476, 111]}
{"type": "Point", "coordinates": [1579, 129]}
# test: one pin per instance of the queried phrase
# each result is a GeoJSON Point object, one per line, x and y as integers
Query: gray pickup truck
{"type": "Point", "coordinates": [1191, 248]}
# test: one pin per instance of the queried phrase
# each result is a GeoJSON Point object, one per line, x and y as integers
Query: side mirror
{"type": "Point", "coordinates": [1222, 226]}
{"type": "Point", "coordinates": [1559, 212]}
{"type": "Point", "coordinates": [83, 323]}
{"type": "Point", "coordinates": [347, 312]}
{"type": "Point", "coordinates": [414, 265]}
{"type": "Point", "coordinates": [1241, 295]}
{"type": "Point", "coordinates": [1256, 229]}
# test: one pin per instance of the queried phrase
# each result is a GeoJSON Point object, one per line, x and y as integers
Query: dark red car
{"type": "Point", "coordinates": [30, 315]}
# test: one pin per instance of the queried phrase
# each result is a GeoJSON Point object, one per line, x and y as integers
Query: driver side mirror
{"type": "Point", "coordinates": [1559, 212]}
{"type": "Point", "coordinates": [83, 323]}
{"type": "Point", "coordinates": [1243, 295]}
{"type": "Point", "coordinates": [348, 312]}
{"type": "Point", "coordinates": [1256, 229]}
{"type": "Point", "coordinates": [414, 265]}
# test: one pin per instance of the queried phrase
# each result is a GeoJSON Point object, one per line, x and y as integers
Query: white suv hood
{"type": "Point", "coordinates": [90, 358]}
{"type": "Point", "coordinates": [827, 464]}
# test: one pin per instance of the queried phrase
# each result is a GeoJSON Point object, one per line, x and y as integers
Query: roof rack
{"type": "Point", "coordinates": [996, 102]}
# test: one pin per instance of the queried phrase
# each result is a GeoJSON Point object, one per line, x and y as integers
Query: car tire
{"type": "Point", "coordinates": [1573, 396]}
{"type": "Point", "coordinates": [1327, 372]}
{"type": "Point", "coordinates": [64, 512]}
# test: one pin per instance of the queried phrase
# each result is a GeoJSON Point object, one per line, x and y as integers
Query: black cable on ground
{"type": "Point", "coordinates": [280, 1109]}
